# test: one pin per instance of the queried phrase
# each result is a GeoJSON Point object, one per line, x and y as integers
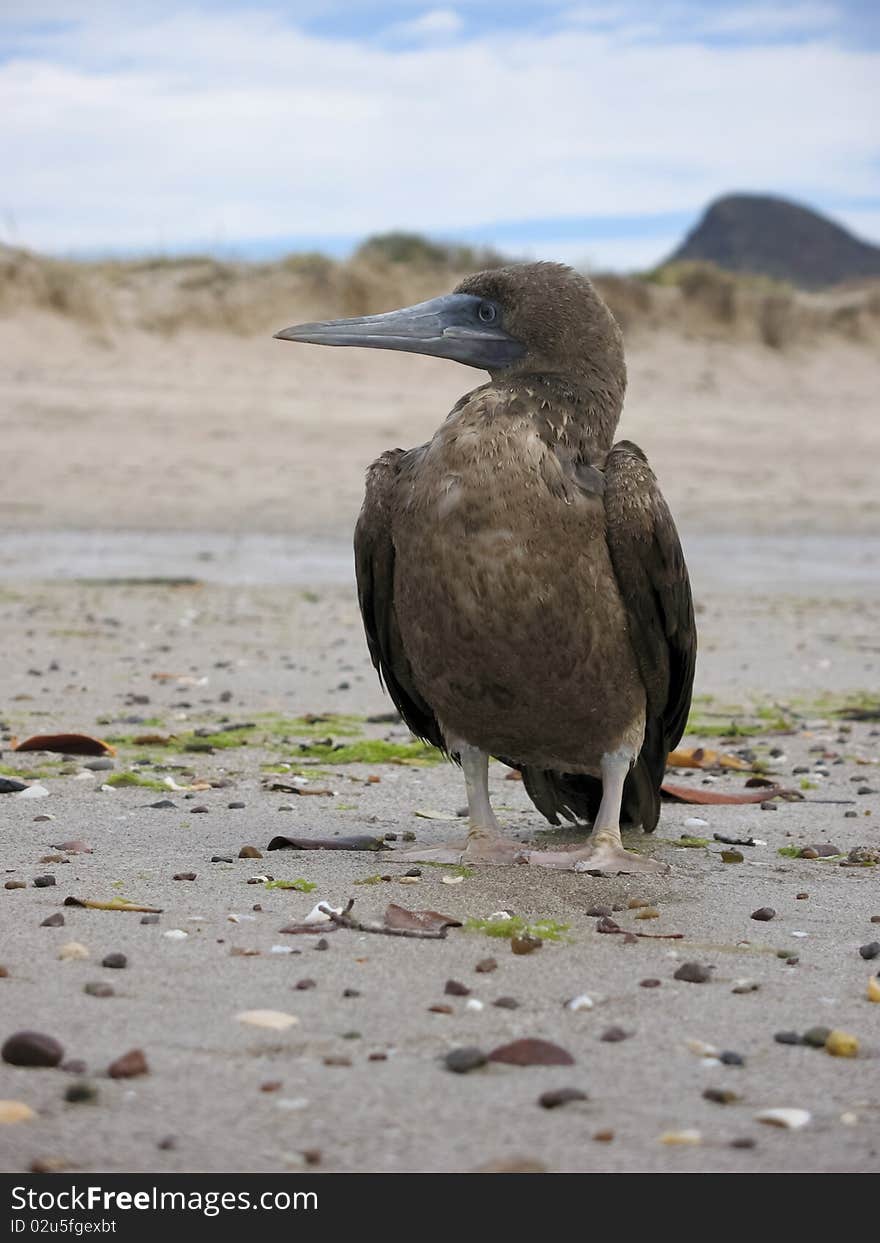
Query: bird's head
{"type": "Point", "coordinates": [529, 318]}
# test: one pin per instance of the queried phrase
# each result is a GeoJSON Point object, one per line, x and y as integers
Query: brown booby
{"type": "Point", "coordinates": [520, 577]}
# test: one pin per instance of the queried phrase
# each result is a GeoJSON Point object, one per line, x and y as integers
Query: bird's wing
{"type": "Point", "coordinates": [653, 580]}
{"type": "Point", "coordinates": [374, 567]}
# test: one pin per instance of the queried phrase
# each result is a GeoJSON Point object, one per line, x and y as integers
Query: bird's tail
{"type": "Point", "coordinates": [577, 797]}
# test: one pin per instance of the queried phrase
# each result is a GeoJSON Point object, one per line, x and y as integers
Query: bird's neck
{"type": "Point", "coordinates": [579, 412]}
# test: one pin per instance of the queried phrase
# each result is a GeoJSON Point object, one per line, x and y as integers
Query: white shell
{"type": "Point", "coordinates": [72, 951]}
{"type": "Point", "coordinates": [582, 1002]}
{"type": "Point", "coordinates": [318, 914]}
{"type": "Point", "coordinates": [473, 1003]}
{"type": "Point", "coordinates": [277, 1020]}
{"type": "Point", "coordinates": [175, 934]}
{"type": "Point", "coordinates": [790, 1119]}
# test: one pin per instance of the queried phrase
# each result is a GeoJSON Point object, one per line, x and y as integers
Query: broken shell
{"type": "Point", "coordinates": [788, 1119]}
{"type": "Point", "coordinates": [841, 1044]}
{"type": "Point", "coordinates": [873, 989]}
{"type": "Point", "coordinates": [277, 1020]}
{"type": "Point", "coordinates": [319, 914]}
{"type": "Point", "coordinates": [72, 952]}
{"type": "Point", "coordinates": [582, 1002]}
{"type": "Point", "coordinates": [15, 1111]}
{"type": "Point", "coordinates": [681, 1137]}
{"type": "Point", "coordinates": [175, 934]}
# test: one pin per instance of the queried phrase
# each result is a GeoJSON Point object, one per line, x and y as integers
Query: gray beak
{"type": "Point", "coordinates": [448, 327]}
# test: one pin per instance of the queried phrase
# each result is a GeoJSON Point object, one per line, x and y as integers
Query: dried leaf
{"type": "Point", "coordinates": [687, 794]}
{"type": "Point", "coordinates": [530, 1052]}
{"type": "Point", "coordinates": [283, 842]}
{"type": "Point", "coordinates": [702, 757]}
{"type": "Point", "coordinates": [114, 904]}
{"type": "Point", "coordinates": [427, 921]}
{"type": "Point", "coordinates": [68, 744]}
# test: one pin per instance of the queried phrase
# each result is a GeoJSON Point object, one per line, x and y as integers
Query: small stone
{"type": "Point", "coordinates": [304, 985]}
{"type": "Point", "coordinates": [650, 983]}
{"type": "Point", "coordinates": [873, 989]}
{"type": "Point", "coordinates": [841, 1044]}
{"type": "Point", "coordinates": [787, 1037]}
{"type": "Point", "coordinates": [129, 1065]}
{"type": "Point", "coordinates": [350, 992]}
{"type": "Point", "coordinates": [603, 1137]}
{"type": "Point", "coordinates": [768, 805]}
{"type": "Point", "coordinates": [600, 911]}
{"type": "Point", "coordinates": [525, 943]}
{"type": "Point", "coordinates": [745, 986]}
{"type": "Point", "coordinates": [15, 884]}
{"type": "Point", "coordinates": [440, 1008]}
{"type": "Point", "coordinates": [635, 904]}
{"type": "Point", "coordinates": [185, 876]}
{"type": "Point", "coordinates": [732, 856]}
{"type": "Point", "coordinates": [531, 1052]}
{"type": "Point", "coordinates": [764, 913]}
{"type": "Point", "coordinates": [81, 1093]}
{"type": "Point", "coordinates": [561, 1096]}
{"type": "Point", "coordinates": [613, 1035]}
{"type": "Point", "coordinates": [486, 965]}
{"type": "Point", "coordinates": [72, 952]}
{"type": "Point", "coordinates": [730, 1058]}
{"type": "Point", "coordinates": [43, 882]}
{"type": "Point", "coordinates": [506, 1003]}
{"type": "Point", "coordinates": [116, 961]}
{"type": "Point", "coordinates": [27, 1048]}
{"type": "Point", "coordinates": [648, 912]}
{"type": "Point", "coordinates": [745, 1142]}
{"type": "Point", "coordinates": [693, 973]}
{"type": "Point", "coordinates": [322, 944]}
{"type": "Point", "coordinates": [250, 852]}
{"type": "Point", "coordinates": [461, 1061]}
{"type": "Point", "coordinates": [275, 1020]}
{"type": "Point", "coordinates": [815, 1037]}
{"type": "Point", "coordinates": [149, 919]}
{"type": "Point", "coordinates": [98, 988]}
{"type": "Point", "coordinates": [871, 950]}
{"type": "Point", "coordinates": [236, 806]}
{"type": "Point", "coordinates": [337, 1061]}
{"type": "Point", "coordinates": [801, 896]}
{"type": "Point", "coordinates": [720, 1097]}
{"type": "Point", "coordinates": [681, 1137]}
{"type": "Point", "coordinates": [453, 988]}
{"type": "Point", "coordinates": [53, 921]}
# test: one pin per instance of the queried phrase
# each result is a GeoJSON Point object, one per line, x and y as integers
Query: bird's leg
{"type": "Point", "coordinates": [604, 852]}
{"type": "Point", "coordinates": [485, 843]}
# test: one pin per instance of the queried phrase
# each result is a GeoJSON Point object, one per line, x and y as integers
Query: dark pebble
{"type": "Point", "coordinates": [198, 811]}
{"type": "Point", "coordinates": [323, 944]}
{"type": "Point", "coordinates": [850, 815]}
{"type": "Point", "coordinates": [649, 983]}
{"type": "Point", "coordinates": [149, 919]}
{"type": "Point", "coordinates": [768, 806]}
{"type": "Point", "coordinates": [764, 913]}
{"type": "Point", "coordinates": [865, 790]}
{"type": "Point", "coordinates": [561, 1096]}
{"type": "Point", "coordinates": [729, 1058]}
{"type": "Point", "coordinates": [486, 965]}
{"type": "Point", "coordinates": [98, 989]}
{"type": "Point", "coordinates": [221, 858]}
{"type": "Point", "coordinates": [413, 872]}
{"type": "Point", "coordinates": [43, 882]}
{"type": "Point", "coordinates": [462, 1060]}
{"type": "Point", "coordinates": [350, 992]}
{"type": "Point", "coordinates": [168, 1144]}
{"type": "Point", "coordinates": [816, 1036]}
{"type": "Point", "coordinates": [57, 921]}
{"type": "Point", "coordinates": [787, 1038]}
{"type": "Point", "coordinates": [162, 805]}
{"type": "Point", "coordinates": [525, 943]}
{"type": "Point", "coordinates": [15, 884]}
{"type": "Point", "coordinates": [613, 1035]}
{"type": "Point", "coordinates": [117, 961]}
{"type": "Point", "coordinates": [236, 806]}
{"type": "Point", "coordinates": [440, 1008]}
{"type": "Point", "coordinates": [337, 1061]}
{"type": "Point", "coordinates": [185, 875]}
{"type": "Point", "coordinates": [719, 1096]}
{"type": "Point", "coordinates": [454, 988]}
{"type": "Point", "coordinates": [506, 1003]}
{"type": "Point", "coordinates": [378, 1057]}
{"type": "Point", "coordinates": [99, 766]}
{"type": "Point", "coordinates": [598, 911]}
{"type": "Point", "coordinates": [871, 950]}
{"type": "Point", "coordinates": [129, 1065]}
{"type": "Point", "coordinates": [81, 1093]}
{"type": "Point", "coordinates": [31, 1049]}
{"type": "Point", "coordinates": [250, 852]}
{"type": "Point", "coordinates": [746, 1142]}
{"type": "Point", "coordinates": [304, 985]}
{"type": "Point", "coordinates": [693, 973]}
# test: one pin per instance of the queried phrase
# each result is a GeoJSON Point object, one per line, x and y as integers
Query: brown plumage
{"type": "Point", "coordinates": [520, 577]}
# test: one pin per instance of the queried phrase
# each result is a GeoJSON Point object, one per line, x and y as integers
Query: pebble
{"type": "Point", "coordinates": [603, 1137]}
{"type": "Point", "coordinates": [149, 919]}
{"type": "Point", "coordinates": [27, 1048]}
{"type": "Point", "coordinates": [650, 983]}
{"type": "Point", "coordinates": [72, 952]}
{"type": "Point", "coordinates": [276, 1020]}
{"type": "Point", "coordinates": [681, 1137]}
{"type": "Point", "coordinates": [185, 875]}
{"type": "Point", "coordinates": [53, 921]}
{"type": "Point", "coordinates": [337, 1061]}
{"type": "Point", "coordinates": [525, 943]}
{"type": "Point", "coordinates": [531, 1052]}
{"type": "Point", "coordinates": [730, 1058]}
{"type": "Point", "coordinates": [648, 912]}
{"type": "Point", "coordinates": [561, 1096]}
{"type": "Point", "coordinates": [440, 1008]}
{"type": "Point", "coordinates": [453, 988]}
{"type": "Point", "coordinates": [745, 1142]}
{"type": "Point", "coordinates": [764, 913]}
{"type": "Point", "coordinates": [129, 1065]}
{"type": "Point", "coordinates": [841, 1044]}
{"type": "Point", "coordinates": [304, 985]}
{"type": "Point", "coordinates": [582, 1002]}
{"type": "Point", "coordinates": [719, 1096]}
{"type": "Point", "coordinates": [83, 1092]}
{"type": "Point", "coordinates": [599, 911]}
{"type": "Point", "coordinates": [97, 988]}
{"type": "Point", "coordinates": [468, 1058]}
{"type": "Point", "coordinates": [745, 986]}
{"type": "Point", "coordinates": [236, 806]}
{"type": "Point", "coordinates": [693, 973]}
{"type": "Point", "coordinates": [873, 989]}
{"type": "Point", "coordinates": [34, 791]}
{"type": "Point", "coordinates": [506, 1003]}
{"type": "Point", "coordinates": [789, 1119]}
{"type": "Point", "coordinates": [15, 1111]}
{"type": "Point", "coordinates": [162, 804]}
{"type": "Point", "coordinates": [816, 1037]}
{"type": "Point", "coordinates": [871, 950]}
{"type": "Point", "coordinates": [787, 1037]}
{"type": "Point", "coordinates": [486, 965]}
{"type": "Point", "coordinates": [732, 856]}
{"type": "Point", "coordinates": [350, 992]}
{"type": "Point", "coordinates": [99, 766]}
{"type": "Point", "coordinates": [613, 1035]}
{"type": "Point", "coordinates": [250, 852]}
{"type": "Point", "coordinates": [15, 884]}
{"type": "Point", "coordinates": [43, 882]}
{"type": "Point", "coordinates": [114, 960]}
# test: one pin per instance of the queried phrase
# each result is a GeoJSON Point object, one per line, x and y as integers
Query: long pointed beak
{"type": "Point", "coordinates": [448, 327]}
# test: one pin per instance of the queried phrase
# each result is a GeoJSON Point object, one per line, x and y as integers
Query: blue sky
{"type": "Point", "coordinates": [591, 132]}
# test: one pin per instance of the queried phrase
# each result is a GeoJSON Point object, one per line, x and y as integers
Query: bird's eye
{"type": "Point", "coordinates": [487, 312]}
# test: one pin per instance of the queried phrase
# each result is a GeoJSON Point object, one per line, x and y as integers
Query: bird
{"type": "Point", "coordinates": [521, 581]}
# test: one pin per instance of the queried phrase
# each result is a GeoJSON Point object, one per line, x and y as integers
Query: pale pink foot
{"type": "Point", "coordinates": [480, 848]}
{"type": "Point", "coordinates": [604, 855]}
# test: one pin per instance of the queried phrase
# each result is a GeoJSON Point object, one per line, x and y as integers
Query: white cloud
{"type": "Point", "coordinates": [193, 126]}
{"type": "Point", "coordinates": [435, 24]}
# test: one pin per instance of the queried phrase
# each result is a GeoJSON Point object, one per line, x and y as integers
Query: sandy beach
{"type": "Point", "coordinates": [233, 466]}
